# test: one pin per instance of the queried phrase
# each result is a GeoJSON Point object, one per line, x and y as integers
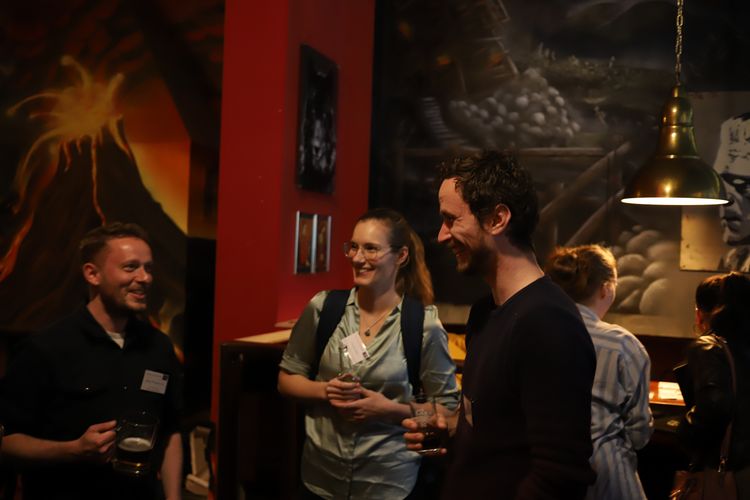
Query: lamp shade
{"type": "Point", "coordinates": [675, 174]}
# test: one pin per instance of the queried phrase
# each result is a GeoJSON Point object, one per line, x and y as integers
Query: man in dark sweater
{"type": "Point", "coordinates": [68, 386]}
{"type": "Point", "coordinates": [523, 429]}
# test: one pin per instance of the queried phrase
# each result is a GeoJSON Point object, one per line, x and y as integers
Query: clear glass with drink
{"type": "Point", "coordinates": [347, 369]}
{"type": "Point", "coordinates": [424, 413]}
{"type": "Point", "coordinates": [135, 439]}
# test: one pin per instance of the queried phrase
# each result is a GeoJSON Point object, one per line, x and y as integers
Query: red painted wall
{"type": "Point", "coordinates": [258, 198]}
{"type": "Point", "coordinates": [343, 31]}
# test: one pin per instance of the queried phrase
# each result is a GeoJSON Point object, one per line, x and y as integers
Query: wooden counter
{"type": "Point", "coordinates": [260, 432]}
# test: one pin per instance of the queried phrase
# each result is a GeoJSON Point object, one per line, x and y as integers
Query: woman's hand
{"type": "Point", "coordinates": [338, 391]}
{"type": "Point", "coordinates": [371, 405]}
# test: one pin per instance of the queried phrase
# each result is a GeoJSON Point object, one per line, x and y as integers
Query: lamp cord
{"type": "Point", "coordinates": [678, 43]}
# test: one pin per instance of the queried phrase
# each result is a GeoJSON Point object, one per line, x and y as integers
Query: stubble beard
{"type": "Point", "coordinates": [125, 306]}
{"type": "Point", "coordinates": [478, 263]}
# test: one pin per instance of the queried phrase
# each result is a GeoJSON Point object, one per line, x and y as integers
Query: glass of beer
{"type": "Point", "coordinates": [424, 413]}
{"type": "Point", "coordinates": [135, 439]}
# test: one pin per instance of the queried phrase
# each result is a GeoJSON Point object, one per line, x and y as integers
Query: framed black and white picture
{"type": "Point", "coordinates": [304, 243]}
{"type": "Point", "coordinates": [718, 238]}
{"type": "Point", "coordinates": [316, 137]}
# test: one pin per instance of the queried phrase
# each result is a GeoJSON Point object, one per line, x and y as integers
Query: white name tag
{"type": "Point", "coordinates": [154, 382]}
{"type": "Point", "coordinates": [355, 348]}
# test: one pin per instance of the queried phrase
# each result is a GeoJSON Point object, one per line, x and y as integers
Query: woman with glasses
{"type": "Point", "coordinates": [621, 420]}
{"type": "Point", "coordinates": [360, 393]}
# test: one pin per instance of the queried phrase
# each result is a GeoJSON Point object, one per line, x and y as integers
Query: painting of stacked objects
{"type": "Point", "coordinates": [576, 89]}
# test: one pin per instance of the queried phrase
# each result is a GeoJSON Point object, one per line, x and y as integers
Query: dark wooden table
{"type": "Point", "coordinates": [260, 433]}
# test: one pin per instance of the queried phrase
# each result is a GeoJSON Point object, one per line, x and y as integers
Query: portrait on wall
{"type": "Point", "coordinates": [718, 238]}
{"type": "Point", "coordinates": [304, 243]}
{"type": "Point", "coordinates": [322, 243]}
{"type": "Point", "coordinates": [316, 138]}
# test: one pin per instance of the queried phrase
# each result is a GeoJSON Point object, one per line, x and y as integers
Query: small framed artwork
{"type": "Point", "coordinates": [316, 136]}
{"type": "Point", "coordinates": [322, 243]}
{"type": "Point", "coordinates": [304, 243]}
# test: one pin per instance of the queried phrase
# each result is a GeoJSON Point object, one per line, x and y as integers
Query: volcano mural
{"type": "Point", "coordinates": [109, 109]}
{"type": "Point", "coordinates": [78, 173]}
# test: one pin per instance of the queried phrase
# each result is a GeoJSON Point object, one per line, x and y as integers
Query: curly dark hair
{"type": "Point", "coordinates": [95, 240]}
{"type": "Point", "coordinates": [491, 178]}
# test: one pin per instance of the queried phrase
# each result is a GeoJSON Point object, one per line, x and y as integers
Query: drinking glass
{"type": "Point", "coordinates": [424, 413]}
{"type": "Point", "coordinates": [347, 370]}
{"type": "Point", "coordinates": [136, 434]}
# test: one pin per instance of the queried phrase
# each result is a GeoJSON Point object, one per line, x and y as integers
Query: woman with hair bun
{"type": "Point", "coordinates": [355, 447]}
{"type": "Point", "coordinates": [722, 309]}
{"type": "Point", "coordinates": [621, 420]}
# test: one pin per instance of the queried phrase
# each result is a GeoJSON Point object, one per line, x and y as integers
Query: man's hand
{"type": "Point", "coordinates": [97, 443]}
{"type": "Point", "coordinates": [414, 437]}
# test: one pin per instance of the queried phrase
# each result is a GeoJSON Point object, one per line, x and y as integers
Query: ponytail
{"type": "Point", "coordinates": [413, 277]}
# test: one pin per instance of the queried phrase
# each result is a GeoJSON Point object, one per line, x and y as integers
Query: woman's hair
{"type": "Point", "coordinates": [413, 277]}
{"type": "Point", "coordinates": [725, 298]}
{"type": "Point", "coordinates": [708, 292]}
{"type": "Point", "coordinates": [580, 271]}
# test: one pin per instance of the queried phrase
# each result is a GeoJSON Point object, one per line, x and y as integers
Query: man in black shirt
{"type": "Point", "coordinates": [68, 385]}
{"type": "Point", "coordinates": [523, 430]}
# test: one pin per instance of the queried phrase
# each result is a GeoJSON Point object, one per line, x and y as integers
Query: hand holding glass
{"type": "Point", "coordinates": [135, 440]}
{"type": "Point", "coordinates": [347, 371]}
{"type": "Point", "coordinates": [424, 413]}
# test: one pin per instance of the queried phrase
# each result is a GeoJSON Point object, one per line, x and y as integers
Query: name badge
{"type": "Point", "coordinates": [154, 382]}
{"type": "Point", "coordinates": [355, 348]}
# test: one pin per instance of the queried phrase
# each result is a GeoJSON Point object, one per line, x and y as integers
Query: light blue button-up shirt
{"type": "Point", "coordinates": [369, 460]}
{"type": "Point", "coordinates": [621, 420]}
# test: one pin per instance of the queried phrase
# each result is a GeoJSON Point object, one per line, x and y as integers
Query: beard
{"type": "Point", "coordinates": [124, 306]}
{"type": "Point", "coordinates": [477, 262]}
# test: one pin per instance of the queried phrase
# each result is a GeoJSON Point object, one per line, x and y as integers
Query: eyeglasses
{"type": "Point", "coordinates": [369, 251]}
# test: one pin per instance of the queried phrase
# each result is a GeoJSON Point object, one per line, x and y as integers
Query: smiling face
{"type": "Point", "coordinates": [379, 270]}
{"type": "Point", "coordinates": [121, 275]}
{"type": "Point", "coordinates": [471, 243]}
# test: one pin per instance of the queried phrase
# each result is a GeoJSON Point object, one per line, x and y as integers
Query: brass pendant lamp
{"type": "Point", "coordinates": [676, 175]}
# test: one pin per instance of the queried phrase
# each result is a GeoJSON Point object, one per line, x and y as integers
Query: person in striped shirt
{"type": "Point", "coordinates": [621, 420]}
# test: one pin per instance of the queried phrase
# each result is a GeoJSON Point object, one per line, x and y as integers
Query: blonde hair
{"type": "Point", "coordinates": [581, 270]}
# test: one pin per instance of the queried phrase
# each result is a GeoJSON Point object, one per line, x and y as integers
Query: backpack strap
{"type": "Point", "coordinates": [412, 330]}
{"type": "Point", "coordinates": [330, 317]}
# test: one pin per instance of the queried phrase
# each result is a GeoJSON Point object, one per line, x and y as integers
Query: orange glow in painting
{"type": "Point", "coordinates": [71, 115]}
